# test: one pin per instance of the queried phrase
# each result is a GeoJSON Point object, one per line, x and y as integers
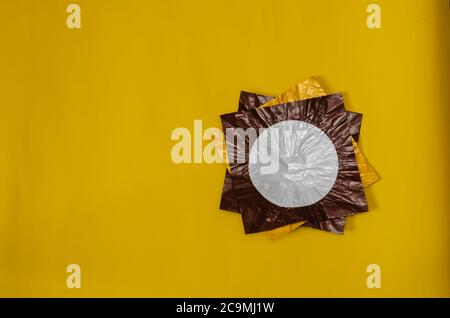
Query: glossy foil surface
{"type": "Point", "coordinates": [346, 196]}
{"type": "Point", "coordinates": [293, 164]}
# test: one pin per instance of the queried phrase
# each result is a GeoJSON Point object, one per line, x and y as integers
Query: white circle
{"type": "Point", "coordinates": [293, 164]}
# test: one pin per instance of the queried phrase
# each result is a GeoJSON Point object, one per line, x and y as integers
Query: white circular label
{"type": "Point", "coordinates": [293, 164]}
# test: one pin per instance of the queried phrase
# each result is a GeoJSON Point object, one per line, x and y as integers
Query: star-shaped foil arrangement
{"type": "Point", "coordinates": [294, 161]}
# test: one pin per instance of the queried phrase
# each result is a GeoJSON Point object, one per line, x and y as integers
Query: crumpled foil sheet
{"type": "Point", "coordinates": [346, 196]}
{"type": "Point", "coordinates": [303, 90]}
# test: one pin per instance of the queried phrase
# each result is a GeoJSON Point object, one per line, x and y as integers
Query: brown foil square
{"type": "Point", "coordinates": [247, 101]}
{"type": "Point", "coordinates": [346, 196]}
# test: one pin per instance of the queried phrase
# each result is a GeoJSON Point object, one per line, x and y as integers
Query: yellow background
{"type": "Point", "coordinates": [86, 175]}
